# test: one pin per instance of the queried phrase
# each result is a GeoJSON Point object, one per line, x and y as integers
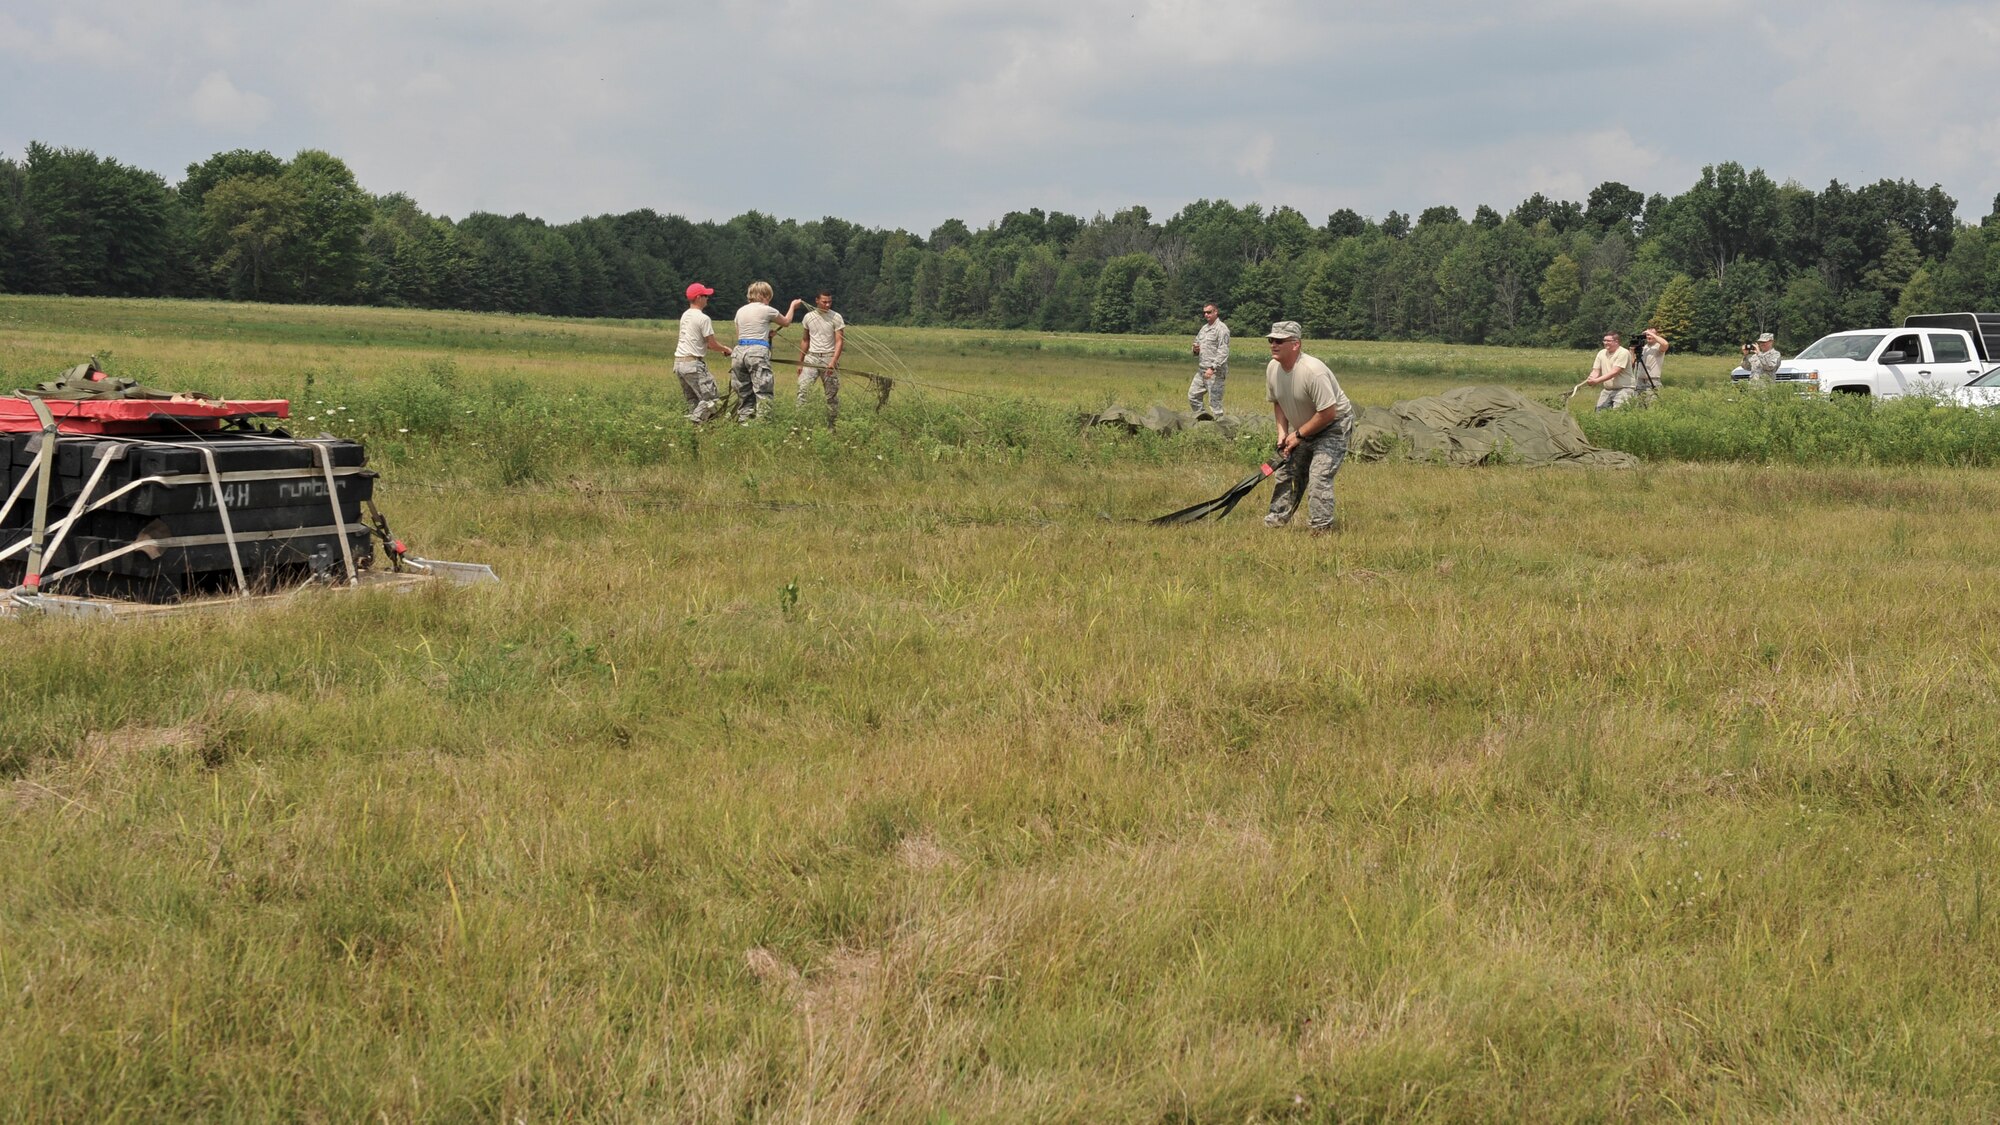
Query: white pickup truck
{"type": "Point", "coordinates": [1932, 353]}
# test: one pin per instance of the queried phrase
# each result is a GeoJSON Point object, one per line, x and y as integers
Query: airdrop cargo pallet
{"type": "Point", "coordinates": [116, 499]}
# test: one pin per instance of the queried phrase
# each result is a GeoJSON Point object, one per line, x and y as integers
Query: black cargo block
{"type": "Point", "coordinates": [241, 456]}
{"type": "Point", "coordinates": [258, 555]}
{"type": "Point", "coordinates": [283, 492]}
{"type": "Point", "coordinates": [127, 526]}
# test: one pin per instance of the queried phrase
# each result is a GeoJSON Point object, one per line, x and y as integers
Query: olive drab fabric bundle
{"type": "Point", "coordinates": [1477, 426]}
{"type": "Point", "coordinates": [1162, 420]}
{"type": "Point", "coordinates": [88, 381]}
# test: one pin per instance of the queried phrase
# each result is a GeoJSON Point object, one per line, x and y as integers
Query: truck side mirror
{"type": "Point", "coordinates": [1894, 357]}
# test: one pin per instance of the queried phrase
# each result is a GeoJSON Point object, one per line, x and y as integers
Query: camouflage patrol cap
{"type": "Point", "coordinates": [1284, 330]}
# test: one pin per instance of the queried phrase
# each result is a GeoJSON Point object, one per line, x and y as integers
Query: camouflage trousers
{"type": "Point", "coordinates": [751, 381]}
{"type": "Point", "coordinates": [826, 376]}
{"type": "Point", "coordinates": [1614, 398]}
{"type": "Point", "coordinates": [1308, 472]}
{"type": "Point", "coordinates": [1211, 389]}
{"type": "Point", "coordinates": [698, 386]}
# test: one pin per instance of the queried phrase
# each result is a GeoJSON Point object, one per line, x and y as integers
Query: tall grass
{"type": "Point", "coordinates": [1776, 425]}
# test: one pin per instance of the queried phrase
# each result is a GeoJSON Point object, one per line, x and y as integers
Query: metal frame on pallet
{"type": "Point", "coordinates": [29, 595]}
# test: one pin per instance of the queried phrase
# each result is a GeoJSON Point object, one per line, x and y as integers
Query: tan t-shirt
{"type": "Point", "coordinates": [753, 321]}
{"type": "Point", "coordinates": [820, 328]}
{"type": "Point", "coordinates": [696, 328]}
{"type": "Point", "coordinates": [1612, 361]}
{"type": "Point", "coordinates": [1308, 388]}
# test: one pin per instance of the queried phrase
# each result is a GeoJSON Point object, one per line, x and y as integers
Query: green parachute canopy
{"type": "Point", "coordinates": [1477, 426]}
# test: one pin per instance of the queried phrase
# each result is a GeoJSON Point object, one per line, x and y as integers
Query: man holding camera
{"type": "Point", "coordinates": [1611, 372]}
{"type": "Point", "coordinates": [1762, 361]}
{"type": "Point", "coordinates": [1652, 349]}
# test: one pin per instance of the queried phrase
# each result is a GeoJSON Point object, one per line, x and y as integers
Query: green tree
{"type": "Point", "coordinates": [1441, 215]}
{"type": "Point", "coordinates": [13, 233]}
{"type": "Point", "coordinates": [1965, 280]}
{"type": "Point", "coordinates": [1068, 307]}
{"type": "Point", "coordinates": [1808, 310]}
{"type": "Point", "coordinates": [1919, 295]}
{"type": "Point", "coordinates": [1345, 223]}
{"type": "Point", "coordinates": [1259, 296]}
{"type": "Point", "coordinates": [1673, 313]}
{"type": "Point", "coordinates": [1128, 296]}
{"type": "Point", "coordinates": [1613, 207]}
{"type": "Point", "coordinates": [1464, 292]}
{"type": "Point", "coordinates": [1898, 263]}
{"type": "Point", "coordinates": [248, 222]}
{"type": "Point", "coordinates": [962, 293]}
{"type": "Point", "coordinates": [1562, 286]}
{"type": "Point", "coordinates": [1726, 216]}
{"type": "Point", "coordinates": [201, 177]}
{"type": "Point", "coordinates": [92, 226]}
{"type": "Point", "coordinates": [325, 257]}
{"type": "Point", "coordinates": [1020, 300]}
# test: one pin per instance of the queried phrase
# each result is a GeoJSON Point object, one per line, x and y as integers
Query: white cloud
{"type": "Point", "coordinates": [218, 104]}
{"type": "Point", "coordinates": [76, 39]}
{"type": "Point", "coordinates": [1254, 159]}
{"type": "Point", "coordinates": [66, 38]}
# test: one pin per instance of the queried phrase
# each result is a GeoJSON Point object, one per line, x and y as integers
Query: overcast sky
{"type": "Point", "coordinates": [904, 114]}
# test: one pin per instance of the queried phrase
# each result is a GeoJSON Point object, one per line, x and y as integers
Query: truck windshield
{"type": "Point", "coordinates": [1843, 347]}
{"type": "Point", "coordinates": [1990, 379]}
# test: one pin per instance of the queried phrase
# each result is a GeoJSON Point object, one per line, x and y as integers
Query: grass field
{"type": "Point", "coordinates": [880, 776]}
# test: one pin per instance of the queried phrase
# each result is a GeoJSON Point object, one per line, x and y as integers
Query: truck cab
{"type": "Point", "coordinates": [1888, 362]}
{"type": "Point", "coordinates": [1932, 353]}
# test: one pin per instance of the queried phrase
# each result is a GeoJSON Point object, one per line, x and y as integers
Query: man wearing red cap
{"type": "Point", "coordinates": [697, 340]}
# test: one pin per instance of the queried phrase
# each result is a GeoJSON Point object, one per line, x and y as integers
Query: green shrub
{"type": "Point", "coordinates": [1777, 425]}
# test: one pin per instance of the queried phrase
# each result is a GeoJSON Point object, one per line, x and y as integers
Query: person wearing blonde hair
{"type": "Point", "coordinates": [750, 378]}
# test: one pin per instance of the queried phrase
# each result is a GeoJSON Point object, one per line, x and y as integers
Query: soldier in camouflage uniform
{"type": "Point", "coordinates": [1314, 418]}
{"type": "Point", "coordinates": [819, 352]}
{"type": "Point", "coordinates": [1647, 360]}
{"type": "Point", "coordinates": [697, 339]}
{"type": "Point", "coordinates": [1762, 363]}
{"type": "Point", "coordinates": [1211, 349]}
{"type": "Point", "coordinates": [750, 377]}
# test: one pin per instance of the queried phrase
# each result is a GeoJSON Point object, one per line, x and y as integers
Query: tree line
{"type": "Point", "coordinates": [1735, 254]}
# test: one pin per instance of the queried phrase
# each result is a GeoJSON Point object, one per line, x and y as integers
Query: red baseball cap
{"type": "Point", "coordinates": [699, 290]}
